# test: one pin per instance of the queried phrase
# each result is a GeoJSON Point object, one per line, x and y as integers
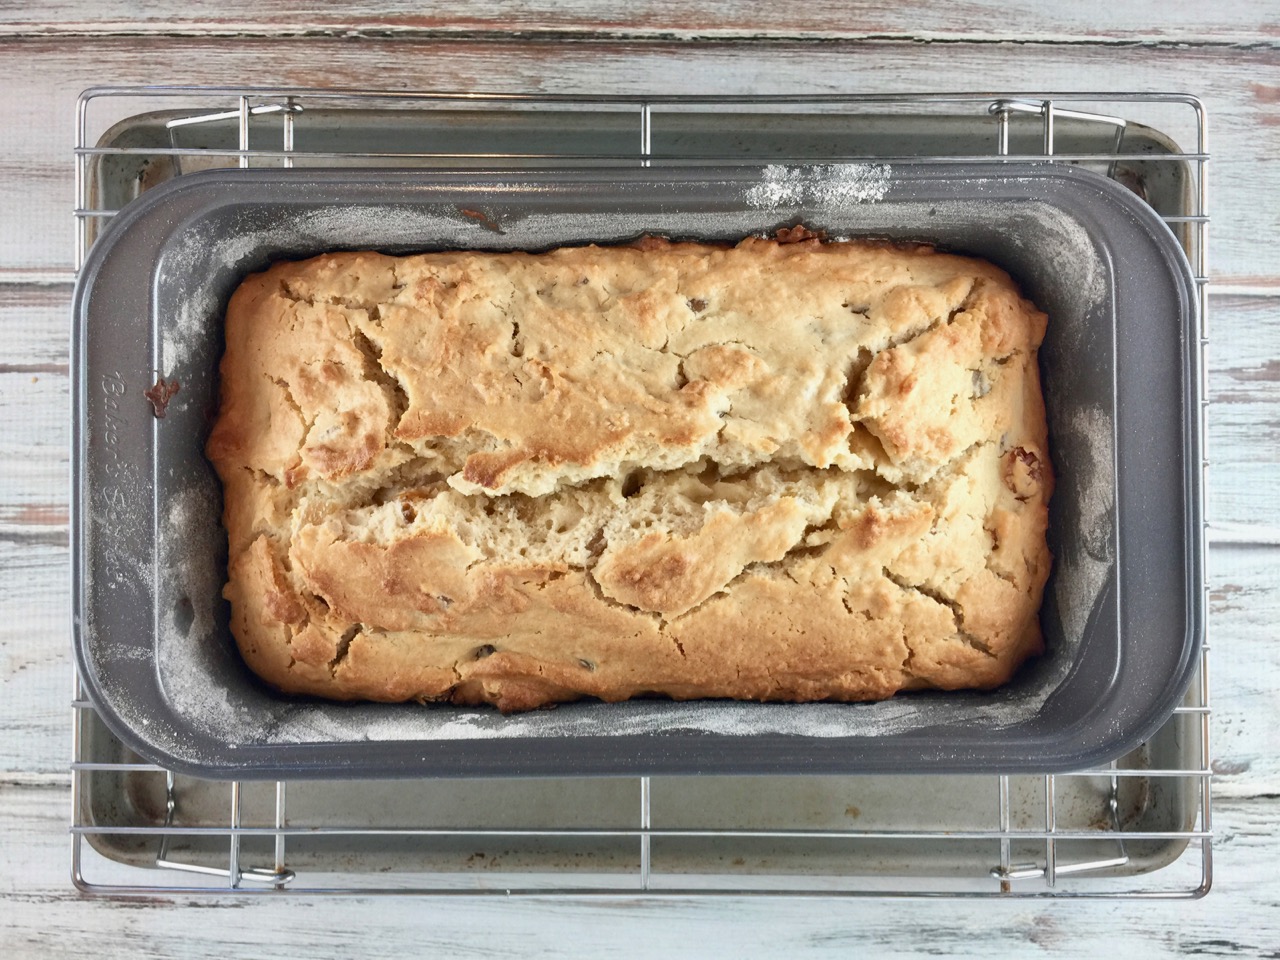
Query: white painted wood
{"type": "Point", "coordinates": [42, 77]}
{"type": "Point", "coordinates": [1231, 61]}
{"type": "Point", "coordinates": [33, 322]}
{"type": "Point", "coordinates": [34, 454]}
{"type": "Point", "coordinates": [1244, 418]}
{"type": "Point", "coordinates": [1091, 21]}
{"type": "Point", "coordinates": [1244, 612]}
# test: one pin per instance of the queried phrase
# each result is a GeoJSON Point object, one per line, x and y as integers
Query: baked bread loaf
{"type": "Point", "coordinates": [771, 471]}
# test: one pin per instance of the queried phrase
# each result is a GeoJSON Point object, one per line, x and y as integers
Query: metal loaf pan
{"type": "Point", "coordinates": [1123, 613]}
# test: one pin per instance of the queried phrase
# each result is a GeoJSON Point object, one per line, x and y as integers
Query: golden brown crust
{"type": "Point", "coordinates": [778, 471]}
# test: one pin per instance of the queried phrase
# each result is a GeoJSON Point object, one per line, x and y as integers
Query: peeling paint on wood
{"type": "Point", "coordinates": [977, 21]}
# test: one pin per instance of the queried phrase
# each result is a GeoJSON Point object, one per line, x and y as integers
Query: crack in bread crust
{"type": "Point", "coordinates": [791, 471]}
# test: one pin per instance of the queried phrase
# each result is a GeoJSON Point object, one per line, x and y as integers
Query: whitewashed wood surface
{"type": "Point", "coordinates": [1227, 53]}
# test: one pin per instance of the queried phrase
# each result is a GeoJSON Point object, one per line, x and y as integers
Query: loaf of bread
{"type": "Point", "coordinates": [784, 471]}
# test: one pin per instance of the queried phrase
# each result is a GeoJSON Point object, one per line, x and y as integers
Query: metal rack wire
{"type": "Point", "coordinates": [150, 826]}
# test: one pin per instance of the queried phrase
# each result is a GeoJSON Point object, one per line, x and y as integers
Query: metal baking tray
{"type": "Point", "coordinates": [1123, 615]}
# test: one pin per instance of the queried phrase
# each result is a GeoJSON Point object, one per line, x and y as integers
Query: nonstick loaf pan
{"type": "Point", "coordinates": [1123, 612]}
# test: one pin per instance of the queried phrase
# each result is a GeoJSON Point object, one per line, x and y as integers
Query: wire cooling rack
{"type": "Point", "coordinates": [1139, 827]}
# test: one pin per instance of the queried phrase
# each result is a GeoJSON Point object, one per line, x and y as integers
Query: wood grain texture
{"type": "Point", "coordinates": [34, 450]}
{"type": "Point", "coordinates": [43, 78]}
{"type": "Point", "coordinates": [1244, 418]}
{"type": "Point", "coordinates": [35, 679]}
{"type": "Point", "coordinates": [34, 319]}
{"type": "Point", "coordinates": [1093, 21]}
{"type": "Point", "coordinates": [35, 658]}
{"type": "Point", "coordinates": [1244, 609]}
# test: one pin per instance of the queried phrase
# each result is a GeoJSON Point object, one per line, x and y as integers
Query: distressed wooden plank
{"type": "Point", "coordinates": [1243, 612]}
{"type": "Point", "coordinates": [1244, 417]}
{"type": "Point", "coordinates": [35, 320]}
{"type": "Point", "coordinates": [35, 674]}
{"type": "Point", "coordinates": [33, 441]}
{"type": "Point", "coordinates": [1149, 21]}
{"type": "Point", "coordinates": [35, 657]}
{"type": "Point", "coordinates": [35, 411]}
{"type": "Point", "coordinates": [44, 76]}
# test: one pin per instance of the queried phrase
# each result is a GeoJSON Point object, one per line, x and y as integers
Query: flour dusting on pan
{"type": "Point", "coordinates": [833, 184]}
